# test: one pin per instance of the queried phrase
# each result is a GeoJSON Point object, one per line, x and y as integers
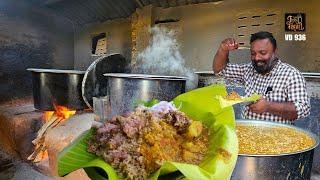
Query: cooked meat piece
{"type": "Point", "coordinates": [138, 144]}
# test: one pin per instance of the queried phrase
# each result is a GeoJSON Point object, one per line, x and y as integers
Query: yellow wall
{"type": "Point", "coordinates": [204, 26]}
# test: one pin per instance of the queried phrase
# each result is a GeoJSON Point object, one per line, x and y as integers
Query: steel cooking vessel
{"type": "Point", "coordinates": [206, 78]}
{"type": "Point", "coordinates": [125, 90]}
{"type": "Point", "coordinates": [62, 87]}
{"type": "Point", "coordinates": [295, 165]}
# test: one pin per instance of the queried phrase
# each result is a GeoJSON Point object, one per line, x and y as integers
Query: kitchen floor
{"type": "Point", "coordinates": [17, 170]}
{"type": "Point", "coordinates": [315, 177]}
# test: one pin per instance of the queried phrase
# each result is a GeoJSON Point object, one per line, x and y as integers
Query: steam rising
{"type": "Point", "coordinates": [162, 57]}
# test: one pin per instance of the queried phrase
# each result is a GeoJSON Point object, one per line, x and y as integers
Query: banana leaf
{"type": "Point", "coordinates": [226, 103]}
{"type": "Point", "coordinates": [198, 104]}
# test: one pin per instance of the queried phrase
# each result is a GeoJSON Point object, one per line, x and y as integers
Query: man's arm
{"type": "Point", "coordinates": [298, 105]}
{"type": "Point", "coordinates": [221, 57]}
{"type": "Point", "coordinates": [286, 110]}
{"type": "Point", "coordinates": [298, 95]}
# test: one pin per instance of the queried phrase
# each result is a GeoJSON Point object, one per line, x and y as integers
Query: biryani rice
{"type": "Point", "coordinates": [138, 144]}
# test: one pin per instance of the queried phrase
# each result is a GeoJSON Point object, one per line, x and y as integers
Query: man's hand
{"type": "Point", "coordinates": [260, 106]}
{"type": "Point", "coordinates": [221, 57]}
{"type": "Point", "coordinates": [286, 110]}
{"type": "Point", "coordinates": [229, 44]}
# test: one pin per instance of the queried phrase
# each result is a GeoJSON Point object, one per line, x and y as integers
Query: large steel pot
{"type": "Point", "coordinates": [124, 90]}
{"type": "Point", "coordinates": [62, 87]}
{"type": "Point", "coordinates": [206, 78]}
{"type": "Point", "coordinates": [295, 165]}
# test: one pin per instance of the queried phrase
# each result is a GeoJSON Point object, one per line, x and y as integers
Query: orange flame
{"type": "Point", "coordinates": [47, 115]}
{"type": "Point", "coordinates": [41, 156]}
{"type": "Point", "coordinates": [61, 112]}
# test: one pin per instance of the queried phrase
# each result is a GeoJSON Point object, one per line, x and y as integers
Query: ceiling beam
{"type": "Point", "coordinates": [139, 3]}
{"type": "Point", "coordinates": [51, 2]}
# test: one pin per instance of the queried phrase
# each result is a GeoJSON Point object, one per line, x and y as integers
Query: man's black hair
{"type": "Point", "coordinates": [264, 35]}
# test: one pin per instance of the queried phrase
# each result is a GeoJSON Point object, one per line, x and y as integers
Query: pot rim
{"type": "Point", "coordinates": [62, 71]}
{"type": "Point", "coordinates": [269, 123]}
{"type": "Point", "coordinates": [204, 72]}
{"type": "Point", "coordinates": [146, 76]}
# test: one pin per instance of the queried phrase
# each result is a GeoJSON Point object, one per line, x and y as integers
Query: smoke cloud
{"type": "Point", "coordinates": [162, 57]}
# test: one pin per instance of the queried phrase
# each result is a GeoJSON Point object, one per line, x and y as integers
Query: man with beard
{"type": "Point", "coordinates": [283, 87]}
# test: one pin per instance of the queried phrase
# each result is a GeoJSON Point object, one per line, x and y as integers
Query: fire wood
{"type": "Point", "coordinates": [41, 155]}
{"type": "Point", "coordinates": [40, 147]}
{"type": "Point", "coordinates": [59, 115]}
{"type": "Point", "coordinates": [44, 128]}
{"type": "Point", "coordinates": [56, 123]}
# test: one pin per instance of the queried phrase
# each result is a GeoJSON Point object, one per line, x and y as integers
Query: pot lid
{"type": "Point", "coordinates": [145, 76]}
{"type": "Point", "coordinates": [56, 71]}
{"type": "Point", "coordinates": [94, 84]}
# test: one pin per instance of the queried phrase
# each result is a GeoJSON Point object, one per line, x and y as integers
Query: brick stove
{"type": "Point", "coordinates": [19, 124]}
{"type": "Point", "coordinates": [20, 121]}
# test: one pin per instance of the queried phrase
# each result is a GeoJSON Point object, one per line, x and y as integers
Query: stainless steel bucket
{"type": "Point", "coordinates": [125, 90]}
{"type": "Point", "coordinates": [295, 165]}
{"type": "Point", "coordinates": [62, 87]}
